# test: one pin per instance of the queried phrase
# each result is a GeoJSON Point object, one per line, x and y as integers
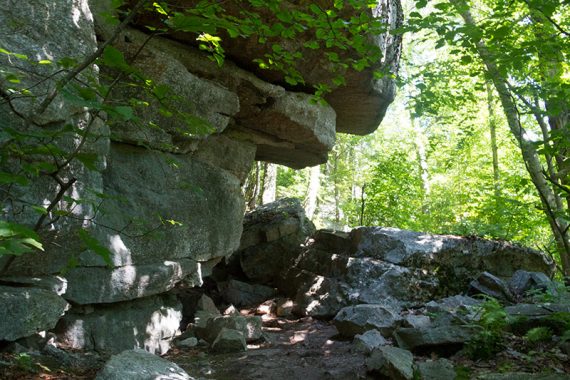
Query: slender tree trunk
{"type": "Point", "coordinates": [494, 149]}
{"type": "Point", "coordinates": [422, 161]}
{"type": "Point", "coordinates": [548, 196]}
{"type": "Point", "coordinates": [269, 184]}
{"type": "Point", "coordinates": [251, 187]}
{"type": "Point", "coordinates": [313, 191]}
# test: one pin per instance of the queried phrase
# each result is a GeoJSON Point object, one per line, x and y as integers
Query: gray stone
{"type": "Point", "coordinates": [358, 319]}
{"type": "Point", "coordinates": [150, 323]}
{"type": "Point", "coordinates": [416, 321]}
{"type": "Point", "coordinates": [55, 284]}
{"type": "Point", "coordinates": [392, 363]}
{"type": "Point", "coordinates": [523, 281]}
{"type": "Point", "coordinates": [363, 100]}
{"type": "Point", "coordinates": [436, 370]}
{"type": "Point", "coordinates": [140, 365]}
{"type": "Point", "coordinates": [243, 294]}
{"type": "Point", "coordinates": [249, 326]}
{"type": "Point", "coordinates": [272, 238]}
{"type": "Point", "coordinates": [40, 31]}
{"type": "Point", "coordinates": [368, 341]}
{"type": "Point", "coordinates": [286, 127]}
{"type": "Point", "coordinates": [453, 304]}
{"type": "Point", "coordinates": [187, 343]}
{"type": "Point", "coordinates": [458, 259]}
{"type": "Point", "coordinates": [491, 286]}
{"type": "Point", "coordinates": [26, 311]}
{"type": "Point", "coordinates": [205, 303]}
{"type": "Point", "coordinates": [127, 282]}
{"type": "Point", "coordinates": [201, 318]}
{"type": "Point", "coordinates": [266, 308]}
{"type": "Point", "coordinates": [448, 338]}
{"type": "Point", "coordinates": [524, 376]}
{"type": "Point", "coordinates": [209, 106]}
{"type": "Point", "coordinates": [284, 307]}
{"type": "Point", "coordinates": [524, 317]}
{"type": "Point", "coordinates": [317, 296]}
{"type": "Point", "coordinates": [69, 359]}
{"type": "Point", "coordinates": [229, 340]}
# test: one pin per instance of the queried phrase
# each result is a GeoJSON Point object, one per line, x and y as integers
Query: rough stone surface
{"type": "Point", "coordinates": [187, 343]}
{"type": "Point", "coordinates": [140, 365]}
{"type": "Point", "coordinates": [368, 341]}
{"type": "Point", "coordinates": [447, 338]}
{"type": "Point", "coordinates": [272, 238]}
{"type": "Point", "coordinates": [392, 363]}
{"type": "Point", "coordinates": [26, 311]}
{"type": "Point", "coordinates": [229, 340]}
{"type": "Point", "coordinates": [491, 286]}
{"type": "Point", "coordinates": [459, 259]}
{"type": "Point", "coordinates": [436, 370]}
{"type": "Point", "coordinates": [523, 281]}
{"type": "Point", "coordinates": [40, 31]}
{"type": "Point", "coordinates": [150, 323]}
{"type": "Point", "coordinates": [55, 284]}
{"type": "Point", "coordinates": [250, 327]}
{"type": "Point", "coordinates": [358, 319]}
{"type": "Point", "coordinates": [524, 376]}
{"type": "Point", "coordinates": [243, 294]}
{"type": "Point", "coordinates": [361, 103]}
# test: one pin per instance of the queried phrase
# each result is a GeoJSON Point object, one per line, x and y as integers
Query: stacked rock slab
{"type": "Point", "coordinates": [172, 205]}
{"type": "Point", "coordinates": [395, 268]}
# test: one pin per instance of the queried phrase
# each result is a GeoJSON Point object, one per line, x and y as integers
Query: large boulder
{"type": "Point", "coordinates": [458, 259]}
{"type": "Point", "coordinates": [150, 323]}
{"type": "Point", "coordinates": [140, 365]}
{"type": "Point", "coordinates": [273, 236]}
{"type": "Point", "coordinates": [26, 311]}
{"type": "Point", "coordinates": [391, 363]}
{"type": "Point", "coordinates": [360, 103]}
{"type": "Point", "coordinates": [358, 319]}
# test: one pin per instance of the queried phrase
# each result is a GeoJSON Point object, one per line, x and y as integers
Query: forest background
{"type": "Point", "coordinates": [448, 158]}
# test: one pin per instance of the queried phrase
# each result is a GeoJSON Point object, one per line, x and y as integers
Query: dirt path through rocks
{"type": "Point", "coordinates": [304, 349]}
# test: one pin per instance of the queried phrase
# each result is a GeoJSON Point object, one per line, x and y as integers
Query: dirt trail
{"type": "Point", "coordinates": [304, 349]}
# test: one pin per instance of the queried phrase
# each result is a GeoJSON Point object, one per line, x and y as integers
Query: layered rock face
{"type": "Point", "coordinates": [166, 205]}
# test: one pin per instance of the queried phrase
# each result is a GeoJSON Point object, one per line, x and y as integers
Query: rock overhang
{"type": "Point", "coordinates": [356, 107]}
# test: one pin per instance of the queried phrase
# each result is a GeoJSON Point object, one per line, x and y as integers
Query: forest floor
{"type": "Point", "coordinates": [304, 349]}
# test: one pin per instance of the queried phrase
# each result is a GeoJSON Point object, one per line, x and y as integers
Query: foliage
{"type": "Point", "coordinates": [488, 340]}
{"type": "Point", "coordinates": [538, 334]}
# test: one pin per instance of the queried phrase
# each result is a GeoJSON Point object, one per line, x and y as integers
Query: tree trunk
{"type": "Point", "coordinates": [269, 184]}
{"type": "Point", "coordinates": [313, 191]}
{"type": "Point", "coordinates": [422, 161]}
{"type": "Point", "coordinates": [548, 196]}
{"type": "Point", "coordinates": [494, 149]}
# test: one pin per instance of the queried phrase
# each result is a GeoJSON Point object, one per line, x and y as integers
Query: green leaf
{"type": "Point", "coordinates": [16, 239]}
{"type": "Point", "coordinates": [89, 160]}
{"type": "Point", "coordinates": [92, 244]}
{"type": "Point", "coordinates": [9, 178]}
{"type": "Point", "coordinates": [113, 58]}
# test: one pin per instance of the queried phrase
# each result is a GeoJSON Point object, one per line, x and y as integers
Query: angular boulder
{"type": "Point", "coordinates": [491, 286]}
{"type": "Point", "coordinates": [150, 323]}
{"type": "Point", "coordinates": [250, 327]}
{"type": "Point", "coordinates": [368, 341]}
{"type": "Point", "coordinates": [229, 340]}
{"type": "Point", "coordinates": [436, 370]}
{"type": "Point", "coordinates": [140, 365]}
{"type": "Point", "coordinates": [358, 319]}
{"type": "Point", "coordinates": [243, 294]}
{"type": "Point", "coordinates": [26, 311]}
{"type": "Point", "coordinates": [442, 339]}
{"type": "Point", "coordinates": [273, 235]}
{"type": "Point", "coordinates": [391, 363]}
